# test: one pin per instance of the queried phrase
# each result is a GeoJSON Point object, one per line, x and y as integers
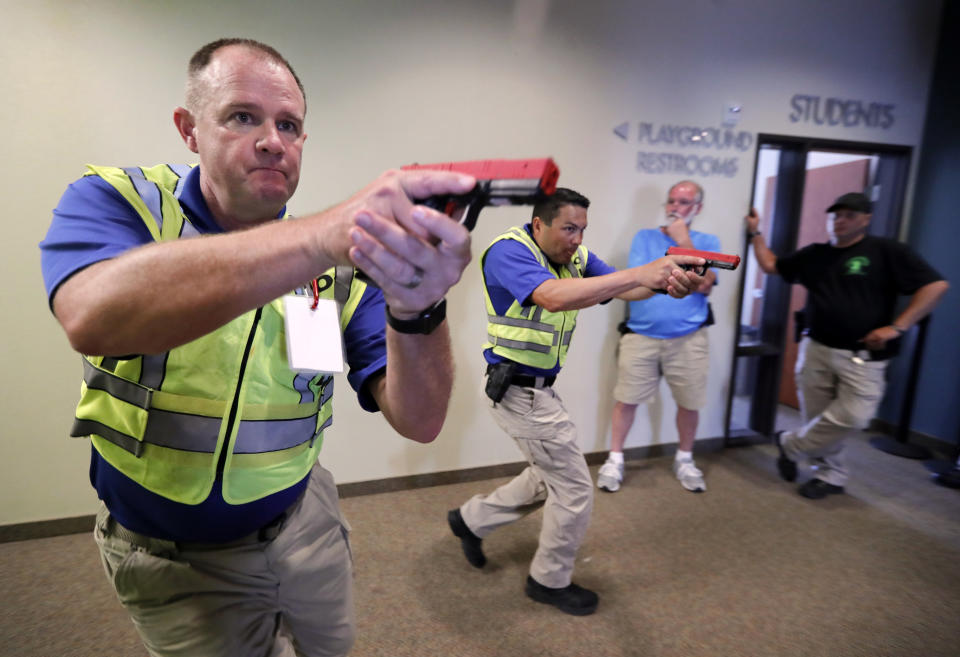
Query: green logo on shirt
{"type": "Point", "coordinates": [857, 266]}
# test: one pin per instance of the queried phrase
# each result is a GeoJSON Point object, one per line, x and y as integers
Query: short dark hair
{"type": "Point", "coordinates": [549, 206]}
{"type": "Point", "coordinates": [201, 59]}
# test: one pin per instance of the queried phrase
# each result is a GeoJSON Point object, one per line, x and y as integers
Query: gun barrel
{"type": "Point", "coordinates": [543, 171]}
{"type": "Point", "coordinates": [516, 191]}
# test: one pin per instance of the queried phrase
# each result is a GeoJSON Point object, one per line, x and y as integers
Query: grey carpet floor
{"type": "Point", "coordinates": [747, 568]}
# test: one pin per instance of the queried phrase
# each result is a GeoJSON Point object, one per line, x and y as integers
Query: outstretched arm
{"type": "Point", "coordinates": [704, 288]}
{"type": "Point", "coordinates": [631, 284]}
{"type": "Point", "coordinates": [162, 295]}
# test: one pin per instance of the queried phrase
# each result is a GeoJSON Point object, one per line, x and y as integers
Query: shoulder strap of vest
{"type": "Point", "coordinates": [342, 280]}
{"type": "Point", "coordinates": [578, 264]}
{"type": "Point", "coordinates": [348, 290]}
{"type": "Point", "coordinates": [150, 191]}
{"type": "Point", "coordinates": [520, 235]}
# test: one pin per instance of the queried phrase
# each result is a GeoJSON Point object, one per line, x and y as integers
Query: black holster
{"type": "Point", "coordinates": [498, 379]}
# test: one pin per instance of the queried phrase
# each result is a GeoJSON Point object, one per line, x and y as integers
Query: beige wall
{"type": "Point", "coordinates": [432, 80]}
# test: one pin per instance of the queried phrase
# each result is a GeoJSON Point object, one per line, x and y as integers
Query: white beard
{"type": "Point", "coordinates": [666, 220]}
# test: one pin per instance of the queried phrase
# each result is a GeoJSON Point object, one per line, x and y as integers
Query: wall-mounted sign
{"type": "Point", "coordinates": [687, 165]}
{"type": "Point", "coordinates": [840, 111]}
{"type": "Point", "coordinates": [688, 138]}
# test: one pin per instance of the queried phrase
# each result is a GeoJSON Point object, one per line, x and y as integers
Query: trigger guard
{"type": "Point", "coordinates": [699, 270]}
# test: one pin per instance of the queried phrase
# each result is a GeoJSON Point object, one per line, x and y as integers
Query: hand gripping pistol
{"type": "Point", "coordinates": [718, 260]}
{"type": "Point", "coordinates": [499, 182]}
{"type": "Point", "coordinates": [714, 259]}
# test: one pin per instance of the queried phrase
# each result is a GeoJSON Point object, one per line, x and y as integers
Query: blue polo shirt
{"type": "Point", "coordinates": [512, 273]}
{"type": "Point", "coordinates": [93, 222]}
{"type": "Point", "coordinates": [662, 316]}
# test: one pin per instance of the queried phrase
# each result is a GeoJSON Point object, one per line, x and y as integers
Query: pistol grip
{"type": "Point", "coordinates": [470, 215]}
{"type": "Point", "coordinates": [472, 203]}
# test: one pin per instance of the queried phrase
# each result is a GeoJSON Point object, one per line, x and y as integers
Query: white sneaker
{"type": "Point", "coordinates": [610, 476]}
{"type": "Point", "coordinates": [689, 475]}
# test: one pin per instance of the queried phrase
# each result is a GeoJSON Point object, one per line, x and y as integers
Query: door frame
{"type": "Point", "coordinates": [891, 182]}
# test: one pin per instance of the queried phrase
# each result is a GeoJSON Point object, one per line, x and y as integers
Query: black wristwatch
{"type": "Point", "coordinates": [424, 323]}
{"type": "Point", "coordinates": [750, 235]}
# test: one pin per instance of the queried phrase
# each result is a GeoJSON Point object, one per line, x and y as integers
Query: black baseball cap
{"type": "Point", "coordinates": [852, 201]}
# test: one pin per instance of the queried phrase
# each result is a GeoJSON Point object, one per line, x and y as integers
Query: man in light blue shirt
{"type": "Point", "coordinates": [665, 336]}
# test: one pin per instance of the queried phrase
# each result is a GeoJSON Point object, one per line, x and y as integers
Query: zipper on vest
{"type": "Point", "coordinates": [221, 462]}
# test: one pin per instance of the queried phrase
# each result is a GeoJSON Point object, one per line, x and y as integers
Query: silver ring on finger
{"type": "Point", "coordinates": [416, 280]}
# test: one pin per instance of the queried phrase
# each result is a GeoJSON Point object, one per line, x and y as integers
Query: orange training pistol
{"type": "Point", "coordinates": [499, 182]}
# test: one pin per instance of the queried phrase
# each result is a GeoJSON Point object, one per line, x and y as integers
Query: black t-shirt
{"type": "Point", "coordinates": [854, 289]}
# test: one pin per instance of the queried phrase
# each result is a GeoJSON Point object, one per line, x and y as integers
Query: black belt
{"type": "Point", "coordinates": [891, 349]}
{"type": "Point", "coordinates": [532, 381]}
{"type": "Point", "coordinates": [528, 381]}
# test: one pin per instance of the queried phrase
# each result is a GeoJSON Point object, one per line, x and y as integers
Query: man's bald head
{"type": "Point", "coordinates": [689, 184]}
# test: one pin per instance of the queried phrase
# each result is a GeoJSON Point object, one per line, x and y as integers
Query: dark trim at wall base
{"type": "Point", "coordinates": [81, 524]}
{"type": "Point", "coordinates": [502, 470]}
{"type": "Point", "coordinates": [409, 482]}
{"type": "Point", "coordinates": [939, 447]}
{"type": "Point", "coordinates": [46, 528]}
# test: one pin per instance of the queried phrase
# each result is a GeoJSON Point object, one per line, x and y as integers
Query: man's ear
{"type": "Point", "coordinates": [186, 126]}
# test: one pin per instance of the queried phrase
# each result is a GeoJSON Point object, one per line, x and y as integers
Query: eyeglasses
{"type": "Point", "coordinates": [683, 203]}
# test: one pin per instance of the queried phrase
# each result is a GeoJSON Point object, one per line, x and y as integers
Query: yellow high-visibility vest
{"type": "Point", "coordinates": [167, 420]}
{"type": "Point", "coordinates": [532, 335]}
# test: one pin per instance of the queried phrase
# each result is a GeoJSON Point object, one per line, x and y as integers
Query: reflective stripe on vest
{"type": "Point", "coordinates": [532, 335]}
{"type": "Point", "coordinates": [167, 420]}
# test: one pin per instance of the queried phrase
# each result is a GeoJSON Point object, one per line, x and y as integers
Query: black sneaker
{"type": "Point", "coordinates": [816, 489]}
{"type": "Point", "coordinates": [786, 467]}
{"type": "Point", "coordinates": [471, 543]}
{"type": "Point", "coordinates": [570, 599]}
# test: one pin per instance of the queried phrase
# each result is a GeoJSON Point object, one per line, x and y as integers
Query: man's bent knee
{"type": "Point", "coordinates": [848, 418]}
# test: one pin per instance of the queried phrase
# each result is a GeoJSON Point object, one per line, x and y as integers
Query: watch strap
{"type": "Point", "coordinates": [422, 324]}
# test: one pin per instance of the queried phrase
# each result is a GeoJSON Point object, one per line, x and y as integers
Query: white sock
{"type": "Point", "coordinates": [684, 456]}
{"type": "Point", "coordinates": [616, 457]}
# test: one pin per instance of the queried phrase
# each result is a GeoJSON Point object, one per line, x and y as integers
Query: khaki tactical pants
{"type": "Point", "coordinates": [838, 395]}
{"type": "Point", "coordinates": [291, 595]}
{"type": "Point", "coordinates": [557, 479]}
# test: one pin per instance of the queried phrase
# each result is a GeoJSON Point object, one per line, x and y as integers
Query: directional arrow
{"type": "Point", "coordinates": [622, 130]}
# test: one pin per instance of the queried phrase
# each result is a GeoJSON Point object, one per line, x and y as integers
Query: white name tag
{"type": "Point", "coordinates": [314, 342]}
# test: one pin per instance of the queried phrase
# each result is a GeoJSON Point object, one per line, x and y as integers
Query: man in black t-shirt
{"type": "Point", "coordinates": [853, 282]}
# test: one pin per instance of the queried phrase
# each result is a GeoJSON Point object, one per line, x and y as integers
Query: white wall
{"type": "Point", "coordinates": [431, 80]}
